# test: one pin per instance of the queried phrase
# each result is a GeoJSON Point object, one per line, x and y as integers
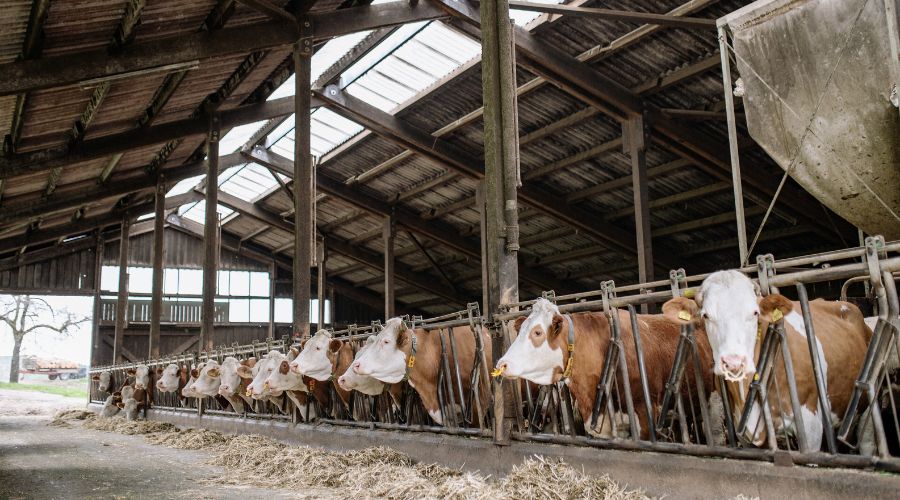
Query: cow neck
{"type": "Point", "coordinates": [333, 359]}
{"type": "Point", "coordinates": [570, 348]}
{"type": "Point", "coordinates": [411, 357]}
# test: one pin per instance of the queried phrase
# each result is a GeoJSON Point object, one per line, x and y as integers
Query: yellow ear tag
{"type": "Point", "coordinates": [756, 376]}
{"type": "Point", "coordinates": [312, 384]}
{"type": "Point", "coordinates": [777, 315]}
{"type": "Point", "coordinates": [688, 293]}
{"type": "Point", "coordinates": [248, 393]}
{"type": "Point", "coordinates": [498, 371]}
{"type": "Point", "coordinates": [411, 362]}
{"type": "Point", "coordinates": [684, 315]}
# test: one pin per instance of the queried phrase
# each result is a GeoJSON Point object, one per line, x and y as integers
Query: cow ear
{"type": "Point", "coordinates": [556, 326]}
{"type": "Point", "coordinates": [284, 368]}
{"type": "Point", "coordinates": [159, 371]}
{"type": "Point", "coordinates": [293, 353]}
{"type": "Point", "coordinates": [680, 310]}
{"type": "Point", "coordinates": [774, 307]}
{"type": "Point", "coordinates": [402, 337]}
{"type": "Point", "coordinates": [517, 323]}
{"type": "Point", "coordinates": [213, 372]}
{"type": "Point", "coordinates": [95, 378]}
{"type": "Point", "coordinates": [335, 345]}
{"type": "Point", "coordinates": [195, 373]}
{"type": "Point", "coordinates": [250, 362]}
{"type": "Point", "coordinates": [244, 371]}
{"type": "Point", "coordinates": [130, 372]}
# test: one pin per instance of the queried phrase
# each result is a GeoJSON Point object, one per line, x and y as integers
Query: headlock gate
{"type": "Point", "coordinates": [588, 369]}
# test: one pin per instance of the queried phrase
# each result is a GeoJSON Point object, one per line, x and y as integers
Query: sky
{"type": "Point", "coordinates": [76, 347]}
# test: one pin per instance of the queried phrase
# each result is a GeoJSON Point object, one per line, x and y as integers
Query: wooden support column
{"type": "Point", "coordinates": [210, 239]}
{"type": "Point", "coordinates": [635, 146]}
{"type": "Point", "coordinates": [320, 290]}
{"type": "Point", "coordinates": [273, 272]}
{"type": "Point", "coordinates": [159, 257]}
{"type": "Point", "coordinates": [498, 195]}
{"type": "Point", "coordinates": [122, 301]}
{"type": "Point", "coordinates": [389, 234]}
{"type": "Point", "coordinates": [95, 324]}
{"type": "Point", "coordinates": [303, 186]}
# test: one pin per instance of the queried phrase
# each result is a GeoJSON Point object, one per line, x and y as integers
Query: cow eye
{"type": "Point", "coordinates": [756, 313]}
{"type": "Point", "coordinates": [318, 348]}
{"type": "Point", "coordinates": [705, 316]}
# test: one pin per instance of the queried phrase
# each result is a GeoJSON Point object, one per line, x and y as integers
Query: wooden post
{"type": "Point", "coordinates": [95, 326]}
{"type": "Point", "coordinates": [210, 239]}
{"type": "Point", "coordinates": [499, 193]}
{"type": "Point", "coordinates": [122, 301]}
{"type": "Point", "coordinates": [303, 188]}
{"type": "Point", "coordinates": [159, 256]}
{"type": "Point", "coordinates": [389, 234]}
{"type": "Point", "coordinates": [635, 146]}
{"type": "Point", "coordinates": [320, 289]}
{"type": "Point", "coordinates": [273, 272]}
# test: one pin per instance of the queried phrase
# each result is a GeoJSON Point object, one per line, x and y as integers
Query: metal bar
{"type": "Point", "coordinates": [642, 372]}
{"type": "Point", "coordinates": [821, 381]}
{"type": "Point", "coordinates": [159, 252]}
{"type": "Point", "coordinates": [792, 387]}
{"type": "Point", "coordinates": [122, 301]}
{"type": "Point", "coordinates": [733, 146]}
{"type": "Point", "coordinates": [211, 239]}
{"type": "Point", "coordinates": [303, 184]}
{"type": "Point", "coordinates": [320, 283]}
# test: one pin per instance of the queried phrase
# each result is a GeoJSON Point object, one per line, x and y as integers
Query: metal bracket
{"type": "Point", "coordinates": [676, 281]}
{"type": "Point", "coordinates": [765, 269]}
{"type": "Point", "coordinates": [608, 293]}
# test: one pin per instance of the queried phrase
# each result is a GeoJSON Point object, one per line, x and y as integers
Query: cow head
{"type": "Point", "coordinates": [729, 307]}
{"type": "Point", "coordinates": [350, 380]}
{"type": "Point", "coordinates": [282, 378]}
{"type": "Point", "coordinates": [141, 377]}
{"type": "Point", "coordinates": [188, 390]}
{"type": "Point", "coordinates": [259, 374]}
{"type": "Point", "coordinates": [316, 360]}
{"type": "Point", "coordinates": [536, 354]}
{"type": "Point", "coordinates": [207, 382]}
{"type": "Point", "coordinates": [168, 379]}
{"type": "Point", "coordinates": [104, 381]}
{"type": "Point", "coordinates": [385, 360]}
{"type": "Point", "coordinates": [230, 380]}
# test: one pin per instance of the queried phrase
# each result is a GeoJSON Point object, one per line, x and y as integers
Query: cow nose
{"type": "Point", "coordinates": [224, 388]}
{"type": "Point", "coordinates": [733, 364]}
{"type": "Point", "coordinates": [341, 381]}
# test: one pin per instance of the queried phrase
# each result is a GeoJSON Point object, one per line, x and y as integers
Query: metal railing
{"type": "Point", "coordinates": [650, 390]}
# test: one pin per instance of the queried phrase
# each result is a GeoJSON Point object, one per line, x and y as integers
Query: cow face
{"type": "Point", "coordinates": [208, 380]}
{"type": "Point", "coordinates": [537, 352]}
{"type": "Point", "coordinates": [229, 380]}
{"type": "Point", "coordinates": [282, 378]}
{"type": "Point", "coordinates": [188, 390]}
{"type": "Point", "coordinates": [728, 306]}
{"type": "Point", "coordinates": [385, 360]}
{"type": "Point", "coordinates": [104, 381]}
{"type": "Point", "coordinates": [142, 377]}
{"type": "Point", "coordinates": [350, 380]}
{"type": "Point", "coordinates": [169, 378]}
{"type": "Point", "coordinates": [258, 388]}
{"type": "Point", "coordinates": [316, 358]}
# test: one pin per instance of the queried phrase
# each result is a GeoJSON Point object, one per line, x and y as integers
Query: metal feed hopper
{"type": "Point", "coordinates": [820, 94]}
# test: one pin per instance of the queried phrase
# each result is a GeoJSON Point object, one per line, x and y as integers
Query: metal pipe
{"type": "Point", "coordinates": [642, 371]}
{"type": "Point", "coordinates": [821, 381]}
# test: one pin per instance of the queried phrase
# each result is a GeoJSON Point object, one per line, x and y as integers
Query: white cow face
{"type": "Point", "coordinates": [316, 358]}
{"type": "Point", "coordinates": [142, 377]}
{"type": "Point", "coordinates": [258, 388]}
{"type": "Point", "coordinates": [208, 380]}
{"type": "Point", "coordinates": [168, 378]}
{"type": "Point", "coordinates": [188, 390]}
{"type": "Point", "coordinates": [385, 360]}
{"type": "Point", "coordinates": [536, 354]}
{"type": "Point", "coordinates": [282, 378]}
{"type": "Point", "coordinates": [110, 407]}
{"type": "Point", "coordinates": [229, 379]}
{"type": "Point", "coordinates": [352, 381]}
{"type": "Point", "coordinates": [728, 305]}
{"type": "Point", "coordinates": [104, 381]}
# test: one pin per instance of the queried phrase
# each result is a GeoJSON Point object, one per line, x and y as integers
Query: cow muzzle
{"type": "Point", "coordinates": [295, 367]}
{"type": "Point", "coordinates": [734, 367]}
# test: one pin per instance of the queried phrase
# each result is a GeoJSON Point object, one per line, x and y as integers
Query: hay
{"type": "Point", "coordinates": [189, 439]}
{"type": "Point", "coordinates": [131, 428]}
{"type": "Point", "coordinates": [63, 418]}
{"type": "Point", "coordinates": [542, 478]}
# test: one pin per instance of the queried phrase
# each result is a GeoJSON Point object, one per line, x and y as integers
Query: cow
{"type": "Point", "coordinates": [550, 347]}
{"type": "Point", "coordinates": [111, 405]}
{"type": "Point", "coordinates": [352, 381]}
{"type": "Point", "coordinates": [399, 353]}
{"type": "Point", "coordinates": [141, 375]}
{"type": "Point", "coordinates": [232, 387]}
{"type": "Point", "coordinates": [258, 375]}
{"type": "Point", "coordinates": [735, 317]}
{"type": "Point", "coordinates": [188, 390]}
{"type": "Point", "coordinates": [172, 378]}
{"type": "Point", "coordinates": [321, 359]}
{"type": "Point", "coordinates": [132, 400]}
{"type": "Point", "coordinates": [105, 382]}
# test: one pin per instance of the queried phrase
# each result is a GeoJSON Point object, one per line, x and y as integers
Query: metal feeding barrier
{"type": "Point", "coordinates": [649, 387]}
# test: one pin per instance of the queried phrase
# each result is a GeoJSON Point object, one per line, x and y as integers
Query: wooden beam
{"type": "Point", "coordinates": [158, 257]}
{"type": "Point", "coordinates": [122, 301]}
{"type": "Point", "coordinates": [127, 356]}
{"type": "Point", "coordinates": [270, 9]}
{"type": "Point", "coordinates": [304, 189]}
{"type": "Point", "coordinates": [389, 236]}
{"type": "Point", "coordinates": [617, 15]}
{"type": "Point", "coordinates": [210, 239]}
{"type": "Point", "coordinates": [177, 52]}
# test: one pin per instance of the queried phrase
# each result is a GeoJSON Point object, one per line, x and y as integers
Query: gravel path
{"type": "Point", "coordinates": [39, 461]}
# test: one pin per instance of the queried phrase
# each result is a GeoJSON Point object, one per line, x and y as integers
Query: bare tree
{"type": "Point", "coordinates": [24, 314]}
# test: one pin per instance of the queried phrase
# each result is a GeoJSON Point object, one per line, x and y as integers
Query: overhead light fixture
{"type": "Point", "coordinates": [165, 68]}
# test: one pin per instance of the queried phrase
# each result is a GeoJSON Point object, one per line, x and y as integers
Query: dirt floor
{"type": "Point", "coordinates": [40, 461]}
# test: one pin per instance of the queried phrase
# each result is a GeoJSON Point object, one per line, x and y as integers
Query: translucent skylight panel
{"type": "Point", "coordinates": [251, 181]}
{"type": "Point", "coordinates": [237, 137]}
{"type": "Point", "coordinates": [197, 212]}
{"type": "Point", "coordinates": [285, 146]}
{"type": "Point", "coordinates": [370, 97]}
{"type": "Point", "coordinates": [185, 185]}
{"type": "Point", "coordinates": [523, 17]}
{"type": "Point", "coordinates": [382, 50]}
{"type": "Point", "coordinates": [336, 121]}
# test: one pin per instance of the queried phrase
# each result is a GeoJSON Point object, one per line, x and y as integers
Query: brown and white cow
{"type": "Point", "coordinates": [735, 317]}
{"type": "Point", "coordinates": [132, 400]}
{"type": "Point", "coordinates": [389, 360]}
{"type": "Point", "coordinates": [172, 378]}
{"type": "Point", "coordinates": [323, 359]}
{"type": "Point", "coordinates": [188, 390]}
{"type": "Point", "coordinates": [111, 405]}
{"type": "Point", "coordinates": [540, 354]}
{"type": "Point", "coordinates": [105, 381]}
{"type": "Point", "coordinates": [352, 381]}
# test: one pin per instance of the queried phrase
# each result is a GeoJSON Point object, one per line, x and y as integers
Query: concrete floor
{"type": "Point", "coordinates": [39, 461]}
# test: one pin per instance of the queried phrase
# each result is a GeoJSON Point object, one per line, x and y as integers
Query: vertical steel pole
{"type": "Point", "coordinates": [733, 146]}
{"type": "Point", "coordinates": [122, 301]}
{"type": "Point", "coordinates": [500, 206]}
{"type": "Point", "coordinates": [159, 250]}
{"type": "Point", "coordinates": [636, 149]}
{"type": "Point", "coordinates": [320, 289]}
{"type": "Point", "coordinates": [303, 189]}
{"type": "Point", "coordinates": [389, 234]}
{"type": "Point", "coordinates": [211, 239]}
